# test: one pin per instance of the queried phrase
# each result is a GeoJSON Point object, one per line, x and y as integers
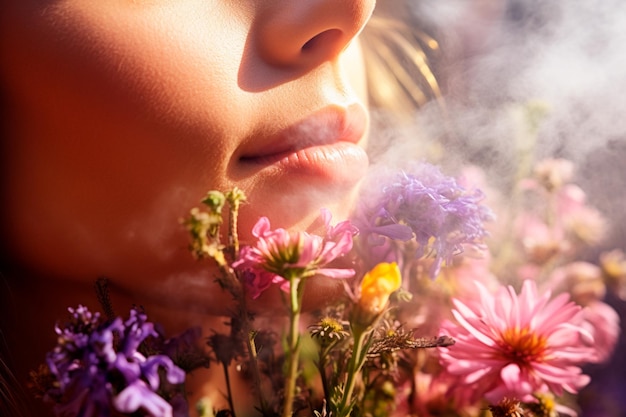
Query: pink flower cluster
{"type": "Point", "coordinates": [281, 255]}
{"type": "Point", "coordinates": [573, 223]}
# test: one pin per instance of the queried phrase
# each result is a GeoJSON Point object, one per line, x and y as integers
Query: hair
{"type": "Point", "coordinates": [12, 399]}
{"type": "Point", "coordinates": [400, 57]}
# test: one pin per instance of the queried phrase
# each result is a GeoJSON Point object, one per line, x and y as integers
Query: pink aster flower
{"type": "Point", "coordinates": [293, 254]}
{"type": "Point", "coordinates": [439, 394]}
{"type": "Point", "coordinates": [603, 322]}
{"type": "Point", "coordinates": [510, 345]}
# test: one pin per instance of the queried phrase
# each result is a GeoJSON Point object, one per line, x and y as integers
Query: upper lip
{"type": "Point", "coordinates": [329, 125]}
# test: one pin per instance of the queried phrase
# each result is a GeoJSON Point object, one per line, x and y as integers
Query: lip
{"type": "Point", "coordinates": [324, 145]}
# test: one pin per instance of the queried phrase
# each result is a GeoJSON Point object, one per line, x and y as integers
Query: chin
{"type": "Point", "coordinates": [296, 209]}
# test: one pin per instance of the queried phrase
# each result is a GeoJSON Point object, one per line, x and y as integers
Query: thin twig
{"type": "Point", "coordinates": [229, 389]}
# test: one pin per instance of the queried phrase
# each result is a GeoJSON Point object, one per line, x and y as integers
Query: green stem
{"type": "Point", "coordinates": [321, 366]}
{"type": "Point", "coordinates": [254, 364]}
{"type": "Point", "coordinates": [354, 367]}
{"type": "Point", "coordinates": [293, 345]}
{"type": "Point", "coordinates": [233, 236]}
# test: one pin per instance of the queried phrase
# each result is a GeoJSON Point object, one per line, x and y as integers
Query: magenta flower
{"type": "Point", "coordinates": [514, 346]}
{"type": "Point", "coordinates": [289, 254]}
{"type": "Point", "coordinates": [256, 280]}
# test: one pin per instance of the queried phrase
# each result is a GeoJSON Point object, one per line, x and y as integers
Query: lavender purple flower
{"type": "Point", "coordinates": [426, 208]}
{"type": "Point", "coordinates": [99, 369]}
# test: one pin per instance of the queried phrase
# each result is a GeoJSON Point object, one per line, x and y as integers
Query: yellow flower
{"type": "Point", "coordinates": [377, 286]}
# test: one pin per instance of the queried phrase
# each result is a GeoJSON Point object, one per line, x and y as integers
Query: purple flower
{"type": "Point", "coordinates": [99, 368]}
{"type": "Point", "coordinates": [292, 254]}
{"type": "Point", "coordinates": [424, 207]}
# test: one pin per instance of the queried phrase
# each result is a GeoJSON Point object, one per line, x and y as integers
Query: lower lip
{"type": "Point", "coordinates": [341, 162]}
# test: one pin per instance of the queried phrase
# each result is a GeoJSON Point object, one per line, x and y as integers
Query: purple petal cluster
{"type": "Point", "coordinates": [100, 371]}
{"type": "Point", "coordinates": [424, 207]}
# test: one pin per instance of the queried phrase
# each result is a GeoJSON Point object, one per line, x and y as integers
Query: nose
{"type": "Point", "coordinates": [305, 33]}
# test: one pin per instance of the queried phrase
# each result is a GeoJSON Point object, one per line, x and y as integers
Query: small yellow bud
{"type": "Point", "coordinates": [378, 284]}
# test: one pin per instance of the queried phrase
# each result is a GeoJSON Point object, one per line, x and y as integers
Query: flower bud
{"type": "Point", "coordinates": [376, 287]}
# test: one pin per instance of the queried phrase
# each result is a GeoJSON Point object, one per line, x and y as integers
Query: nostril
{"type": "Point", "coordinates": [328, 37]}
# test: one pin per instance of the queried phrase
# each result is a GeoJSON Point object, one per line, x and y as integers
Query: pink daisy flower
{"type": "Point", "coordinates": [603, 322]}
{"type": "Point", "coordinates": [510, 345]}
{"type": "Point", "coordinates": [286, 255]}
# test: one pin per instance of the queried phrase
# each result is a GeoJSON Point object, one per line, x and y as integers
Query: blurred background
{"type": "Point", "coordinates": [500, 82]}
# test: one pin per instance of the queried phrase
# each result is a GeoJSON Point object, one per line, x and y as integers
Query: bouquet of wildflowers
{"type": "Point", "coordinates": [446, 310]}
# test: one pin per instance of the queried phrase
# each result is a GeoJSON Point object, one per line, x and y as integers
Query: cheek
{"type": "Point", "coordinates": [123, 97]}
{"type": "Point", "coordinates": [97, 71]}
{"type": "Point", "coordinates": [115, 133]}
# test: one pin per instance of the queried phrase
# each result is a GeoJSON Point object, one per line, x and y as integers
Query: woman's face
{"type": "Point", "coordinates": [121, 114]}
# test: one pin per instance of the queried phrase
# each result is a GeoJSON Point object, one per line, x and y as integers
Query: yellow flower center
{"type": "Point", "coordinates": [522, 345]}
{"type": "Point", "coordinates": [329, 324]}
